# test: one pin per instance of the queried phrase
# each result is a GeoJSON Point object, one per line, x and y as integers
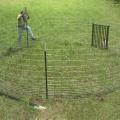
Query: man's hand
{"type": "Point", "coordinates": [19, 16]}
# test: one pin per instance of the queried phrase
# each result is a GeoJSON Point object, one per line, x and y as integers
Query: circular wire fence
{"type": "Point", "coordinates": [74, 68]}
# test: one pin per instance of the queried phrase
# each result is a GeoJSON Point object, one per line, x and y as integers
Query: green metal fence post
{"type": "Point", "coordinates": [46, 75]}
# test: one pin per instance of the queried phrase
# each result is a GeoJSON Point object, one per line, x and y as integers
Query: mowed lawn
{"type": "Point", "coordinates": [65, 27]}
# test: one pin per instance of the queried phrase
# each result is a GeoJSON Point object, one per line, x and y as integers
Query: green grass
{"type": "Point", "coordinates": [65, 27]}
{"type": "Point", "coordinates": [91, 108]}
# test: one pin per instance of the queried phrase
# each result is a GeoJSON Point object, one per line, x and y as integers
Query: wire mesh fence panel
{"type": "Point", "coordinates": [79, 73]}
{"type": "Point", "coordinates": [100, 35]}
{"type": "Point", "coordinates": [22, 75]}
{"type": "Point", "coordinates": [71, 73]}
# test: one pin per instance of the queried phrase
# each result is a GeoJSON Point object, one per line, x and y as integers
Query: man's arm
{"type": "Point", "coordinates": [19, 16]}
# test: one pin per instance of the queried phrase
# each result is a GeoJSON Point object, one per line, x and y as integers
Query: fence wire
{"type": "Point", "coordinates": [75, 73]}
{"type": "Point", "coordinates": [74, 68]}
{"type": "Point", "coordinates": [22, 75]}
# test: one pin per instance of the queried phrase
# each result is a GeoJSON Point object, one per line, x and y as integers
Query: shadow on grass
{"type": "Point", "coordinates": [10, 51]}
{"type": "Point", "coordinates": [16, 99]}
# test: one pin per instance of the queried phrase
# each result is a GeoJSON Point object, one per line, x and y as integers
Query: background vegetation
{"type": "Point", "coordinates": [62, 25]}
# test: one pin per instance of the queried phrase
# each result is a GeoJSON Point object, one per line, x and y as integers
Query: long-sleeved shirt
{"type": "Point", "coordinates": [21, 21]}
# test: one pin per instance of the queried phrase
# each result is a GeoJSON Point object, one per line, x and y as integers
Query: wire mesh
{"type": "Point", "coordinates": [22, 75]}
{"type": "Point", "coordinates": [74, 68]}
{"type": "Point", "coordinates": [75, 73]}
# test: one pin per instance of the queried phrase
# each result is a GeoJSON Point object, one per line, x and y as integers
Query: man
{"type": "Point", "coordinates": [22, 25]}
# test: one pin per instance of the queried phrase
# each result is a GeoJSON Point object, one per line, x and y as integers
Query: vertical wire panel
{"type": "Point", "coordinates": [92, 43]}
{"type": "Point", "coordinates": [100, 36]}
{"type": "Point", "coordinates": [96, 40]}
{"type": "Point", "coordinates": [102, 40]}
{"type": "Point", "coordinates": [99, 26]}
{"type": "Point", "coordinates": [107, 36]}
{"type": "Point", "coordinates": [95, 36]}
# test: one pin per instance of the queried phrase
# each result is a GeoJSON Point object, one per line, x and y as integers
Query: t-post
{"type": "Point", "coordinates": [26, 17]}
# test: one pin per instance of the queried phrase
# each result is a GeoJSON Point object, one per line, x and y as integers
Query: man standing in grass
{"type": "Point", "coordinates": [22, 25]}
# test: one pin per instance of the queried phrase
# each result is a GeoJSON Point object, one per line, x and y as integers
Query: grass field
{"type": "Point", "coordinates": [65, 27]}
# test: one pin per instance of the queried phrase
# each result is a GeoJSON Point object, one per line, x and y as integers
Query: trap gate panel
{"type": "Point", "coordinates": [100, 35]}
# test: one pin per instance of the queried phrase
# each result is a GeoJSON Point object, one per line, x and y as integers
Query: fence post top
{"type": "Point", "coordinates": [45, 47]}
